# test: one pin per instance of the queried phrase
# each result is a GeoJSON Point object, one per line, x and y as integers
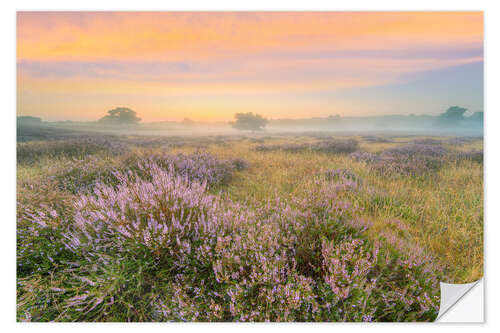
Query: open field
{"type": "Point", "coordinates": [253, 227]}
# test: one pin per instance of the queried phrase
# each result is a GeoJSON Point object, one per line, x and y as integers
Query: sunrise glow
{"type": "Point", "coordinates": [208, 65]}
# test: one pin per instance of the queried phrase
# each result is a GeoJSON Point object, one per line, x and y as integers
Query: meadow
{"type": "Point", "coordinates": [250, 227]}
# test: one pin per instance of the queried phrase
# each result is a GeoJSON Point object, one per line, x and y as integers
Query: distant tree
{"type": "Point", "coordinates": [29, 120]}
{"type": "Point", "coordinates": [333, 118]}
{"type": "Point", "coordinates": [249, 122]}
{"type": "Point", "coordinates": [187, 121]}
{"type": "Point", "coordinates": [453, 116]}
{"type": "Point", "coordinates": [120, 116]}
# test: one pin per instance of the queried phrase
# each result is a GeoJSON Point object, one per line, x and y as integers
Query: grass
{"type": "Point", "coordinates": [437, 214]}
{"type": "Point", "coordinates": [444, 211]}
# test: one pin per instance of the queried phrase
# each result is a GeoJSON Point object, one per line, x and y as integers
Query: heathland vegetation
{"type": "Point", "coordinates": [249, 227]}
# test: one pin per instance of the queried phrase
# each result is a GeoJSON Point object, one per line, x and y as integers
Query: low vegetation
{"type": "Point", "coordinates": [276, 228]}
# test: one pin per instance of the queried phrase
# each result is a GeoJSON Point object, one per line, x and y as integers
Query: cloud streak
{"type": "Point", "coordinates": [166, 59]}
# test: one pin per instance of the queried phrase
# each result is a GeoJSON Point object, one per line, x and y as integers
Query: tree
{"type": "Point", "coordinates": [249, 122]}
{"type": "Point", "coordinates": [120, 116]}
{"type": "Point", "coordinates": [29, 120]}
{"type": "Point", "coordinates": [453, 116]}
{"type": "Point", "coordinates": [333, 119]}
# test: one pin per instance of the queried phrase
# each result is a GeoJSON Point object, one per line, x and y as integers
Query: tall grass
{"type": "Point", "coordinates": [235, 234]}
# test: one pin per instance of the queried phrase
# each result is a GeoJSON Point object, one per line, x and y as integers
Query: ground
{"type": "Point", "coordinates": [428, 201]}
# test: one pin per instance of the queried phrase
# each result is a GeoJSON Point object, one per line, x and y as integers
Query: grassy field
{"type": "Point", "coordinates": [303, 227]}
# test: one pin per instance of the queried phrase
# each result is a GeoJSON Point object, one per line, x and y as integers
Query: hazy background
{"type": "Point", "coordinates": [208, 66]}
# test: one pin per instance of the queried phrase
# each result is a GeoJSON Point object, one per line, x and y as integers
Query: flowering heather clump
{"type": "Point", "coordinates": [427, 141]}
{"type": "Point", "coordinates": [474, 155]}
{"type": "Point", "coordinates": [240, 163]}
{"type": "Point", "coordinates": [364, 156]}
{"type": "Point", "coordinates": [461, 140]}
{"type": "Point", "coordinates": [32, 152]}
{"type": "Point", "coordinates": [413, 159]}
{"type": "Point", "coordinates": [199, 166]}
{"type": "Point", "coordinates": [163, 248]}
{"type": "Point", "coordinates": [415, 150]}
{"type": "Point", "coordinates": [147, 142]}
{"type": "Point", "coordinates": [376, 139]}
{"type": "Point", "coordinates": [326, 146]}
{"type": "Point", "coordinates": [336, 146]}
{"type": "Point", "coordinates": [77, 176]}
{"type": "Point", "coordinates": [410, 160]}
{"type": "Point", "coordinates": [290, 147]}
{"type": "Point", "coordinates": [340, 174]}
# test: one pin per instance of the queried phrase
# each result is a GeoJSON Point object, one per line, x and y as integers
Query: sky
{"type": "Point", "coordinates": [206, 66]}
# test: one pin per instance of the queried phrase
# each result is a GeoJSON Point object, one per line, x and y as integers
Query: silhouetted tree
{"type": "Point", "coordinates": [333, 118]}
{"type": "Point", "coordinates": [249, 122]}
{"type": "Point", "coordinates": [187, 121]}
{"type": "Point", "coordinates": [453, 116]}
{"type": "Point", "coordinates": [29, 120]}
{"type": "Point", "coordinates": [120, 116]}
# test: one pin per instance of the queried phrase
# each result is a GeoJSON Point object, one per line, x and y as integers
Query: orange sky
{"type": "Point", "coordinates": [207, 66]}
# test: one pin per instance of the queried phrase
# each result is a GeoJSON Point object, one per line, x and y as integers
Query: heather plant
{"type": "Point", "coordinates": [76, 176]}
{"type": "Point", "coordinates": [427, 141]}
{"type": "Point", "coordinates": [376, 139]}
{"type": "Point", "coordinates": [336, 146]}
{"type": "Point", "coordinates": [32, 152]}
{"type": "Point", "coordinates": [363, 156]}
{"type": "Point", "coordinates": [408, 160]}
{"type": "Point", "coordinates": [340, 175]}
{"type": "Point", "coordinates": [475, 155]}
{"type": "Point", "coordinates": [240, 163]}
{"type": "Point", "coordinates": [325, 146]}
{"type": "Point", "coordinates": [415, 150]}
{"type": "Point", "coordinates": [156, 235]}
{"type": "Point", "coordinates": [199, 166]}
{"type": "Point", "coordinates": [163, 248]}
{"type": "Point", "coordinates": [461, 140]}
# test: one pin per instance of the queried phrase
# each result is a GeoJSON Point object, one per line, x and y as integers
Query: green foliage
{"type": "Point", "coordinates": [294, 237]}
{"type": "Point", "coordinates": [120, 116]}
{"type": "Point", "coordinates": [453, 116]}
{"type": "Point", "coordinates": [249, 122]}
